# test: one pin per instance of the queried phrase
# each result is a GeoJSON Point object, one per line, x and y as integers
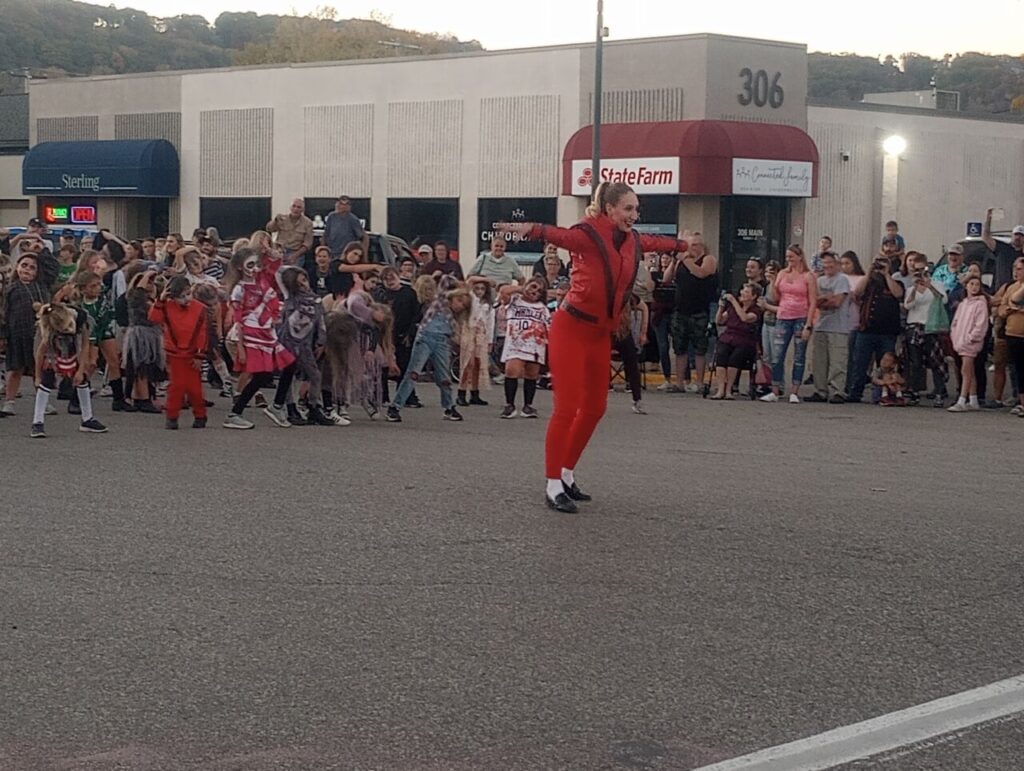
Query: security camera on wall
{"type": "Point", "coordinates": [844, 155]}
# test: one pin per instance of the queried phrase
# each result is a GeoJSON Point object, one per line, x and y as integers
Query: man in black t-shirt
{"type": "Point", "coordinates": [695, 275]}
{"type": "Point", "coordinates": [880, 301]}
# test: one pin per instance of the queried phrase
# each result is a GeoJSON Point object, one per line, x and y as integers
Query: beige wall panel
{"type": "Point", "coordinates": [520, 154]}
{"type": "Point", "coordinates": [235, 153]}
{"type": "Point", "coordinates": [152, 125]}
{"type": "Point", "coordinates": [846, 189]}
{"type": "Point", "coordinates": [425, 148]}
{"type": "Point", "coordinates": [80, 128]}
{"type": "Point", "coordinates": [338, 150]}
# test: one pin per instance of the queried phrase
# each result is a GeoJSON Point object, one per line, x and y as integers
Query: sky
{"type": "Point", "coordinates": [869, 27]}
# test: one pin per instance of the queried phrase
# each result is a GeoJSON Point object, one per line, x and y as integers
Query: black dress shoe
{"type": "Point", "coordinates": [575, 493]}
{"type": "Point", "coordinates": [562, 503]}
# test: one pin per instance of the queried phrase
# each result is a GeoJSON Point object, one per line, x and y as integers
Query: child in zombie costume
{"type": "Point", "coordinates": [303, 333]}
{"type": "Point", "coordinates": [34, 274]}
{"type": "Point", "coordinates": [64, 351]}
{"type": "Point", "coordinates": [142, 354]}
{"type": "Point", "coordinates": [102, 337]}
{"type": "Point", "coordinates": [260, 353]}
{"type": "Point", "coordinates": [360, 347]}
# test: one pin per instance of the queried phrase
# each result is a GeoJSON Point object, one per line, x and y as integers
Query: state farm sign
{"type": "Point", "coordinates": [647, 176]}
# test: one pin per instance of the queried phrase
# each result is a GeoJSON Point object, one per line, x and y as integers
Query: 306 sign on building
{"type": "Point", "coordinates": [761, 89]}
{"type": "Point", "coordinates": [647, 176]}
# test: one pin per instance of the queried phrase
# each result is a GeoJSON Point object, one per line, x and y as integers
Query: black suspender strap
{"type": "Point", "coordinates": [609, 280]}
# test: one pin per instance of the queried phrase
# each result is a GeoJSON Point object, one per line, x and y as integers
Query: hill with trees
{"type": "Point", "coordinates": [67, 37]}
{"type": "Point", "coordinates": [986, 83]}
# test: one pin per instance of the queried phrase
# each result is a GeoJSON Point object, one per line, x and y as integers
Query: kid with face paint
{"type": "Point", "coordinates": [260, 353]}
{"type": "Point", "coordinates": [34, 275]}
{"type": "Point", "coordinates": [527, 320]}
{"type": "Point", "coordinates": [64, 351]}
{"type": "Point", "coordinates": [433, 343]}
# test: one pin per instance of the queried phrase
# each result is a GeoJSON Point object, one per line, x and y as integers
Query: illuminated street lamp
{"type": "Point", "coordinates": [895, 145]}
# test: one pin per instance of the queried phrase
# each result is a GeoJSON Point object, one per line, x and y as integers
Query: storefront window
{"type": "Point", "coordinates": [491, 211]}
{"type": "Point", "coordinates": [659, 214]}
{"type": "Point", "coordinates": [234, 217]}
{"type": "Point", "coordinates": [424, 220]}
{"type": "Point", "coordinates": [750, 227]}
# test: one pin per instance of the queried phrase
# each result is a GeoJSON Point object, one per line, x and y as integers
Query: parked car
{"type": "Point", "coordinates": [975, 250]}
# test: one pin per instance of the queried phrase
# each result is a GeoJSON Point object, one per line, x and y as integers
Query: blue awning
{"type": "Point", "coordinates": [121, 168]}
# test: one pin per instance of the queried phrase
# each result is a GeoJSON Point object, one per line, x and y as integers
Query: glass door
{"type": "Point", "coordinates": [751, 226]}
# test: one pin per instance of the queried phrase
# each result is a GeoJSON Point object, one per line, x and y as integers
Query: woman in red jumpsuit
{"type": "Point", "coordinates": [606, 252]}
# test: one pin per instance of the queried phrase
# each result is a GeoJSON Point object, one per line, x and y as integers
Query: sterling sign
{"type": "Point", "coordinates": [647, 176]}
{"type": "Point", "coordinates": [752, 176]}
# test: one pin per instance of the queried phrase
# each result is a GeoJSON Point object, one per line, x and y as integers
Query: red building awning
{"type": "Point", "coordinates": [706, 150]}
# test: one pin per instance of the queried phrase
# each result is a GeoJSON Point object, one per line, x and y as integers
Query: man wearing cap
{"type": "Point", "coordinates": [1005, 254]}
{"type": "Point", "coordinates": [424, 254]}
{"type": "Point", "coordinates": [949, 275]}
{"type": "Point", "coordinates": [67, 238]}
{"type": "Point", "coordinates": [37, 228]}
{"type": "Point", "coordinates": [294, 232]}
{"type": "Point", "coordinates": [342, 227]}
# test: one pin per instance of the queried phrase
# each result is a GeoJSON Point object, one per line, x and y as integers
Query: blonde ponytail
{"type": "Point", "coordinates": [596, 205]}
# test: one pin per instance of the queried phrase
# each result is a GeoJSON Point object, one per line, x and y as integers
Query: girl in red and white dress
{"type": "Point", "coordinates": [527, 320]}
{"type": "Point", "coordinates": [256, 311]}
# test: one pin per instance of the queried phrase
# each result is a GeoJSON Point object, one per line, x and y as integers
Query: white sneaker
{"type": "Point", "coordinates": [278, 415]}
{"type": "Point", "coordinates": [973, 406]}
{"type": "Point", "coordinates": [338, 419]}
{"type": "Point", "coordinates": [51, 410]}
{"type": "Point", "coordinates": [692, 388]}
{"type": "Point", "coordinates": [106, 391]}
{"type": "Point", "coordinates": [769, 397]}
{"type": "Point", "coordinates": [639, 408]}
{"type": "Point", "coordinates": [1018, 411]}
{"type": "Point", "coordinates": [665, 386]}
{"type": "Point", "coordinates": [958, 407]}
{"type": "Point", "coordinates": [237, 421]}
{"type": "Point", "coordinates": [8, 408]}
{"type": "Point", "coordinates": [794, 399]}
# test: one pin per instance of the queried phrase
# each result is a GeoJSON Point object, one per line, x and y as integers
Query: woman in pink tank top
{"type": "Point", "coordinates": [797, 291]}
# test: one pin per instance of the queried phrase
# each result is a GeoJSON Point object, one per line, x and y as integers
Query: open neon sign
{"type": "Point", "coordinates": [69, 215]}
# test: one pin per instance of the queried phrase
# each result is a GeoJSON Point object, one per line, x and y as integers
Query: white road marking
{"type": "Point", "coordinates": [886, 732]}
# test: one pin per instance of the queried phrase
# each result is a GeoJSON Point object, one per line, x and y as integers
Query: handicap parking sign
{"type": "Point", "coordinates": [974, 230]}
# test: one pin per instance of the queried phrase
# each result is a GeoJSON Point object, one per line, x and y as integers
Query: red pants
{"type": "Point", "coordinates": [579, 356]}
{"type": "Point", "coordinates": [186, 380]}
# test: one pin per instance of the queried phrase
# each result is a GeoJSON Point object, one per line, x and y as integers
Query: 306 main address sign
{"type": "Point", "coordinates": [761, 89]}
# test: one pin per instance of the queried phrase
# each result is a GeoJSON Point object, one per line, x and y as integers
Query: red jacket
{"type": "Point", "coordinates": [592, 276]}
{"type": "Point", "coordinates": [185, 328]}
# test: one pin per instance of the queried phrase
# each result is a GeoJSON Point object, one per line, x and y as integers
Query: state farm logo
{"type": "Point", "coordinates": [644, 175]}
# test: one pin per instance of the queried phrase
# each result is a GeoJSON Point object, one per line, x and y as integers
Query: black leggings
{"type": "Point", "coordinates": [259, 380]}
{"type": "Point", "coordinates": [284, 385]}
{"type": "Point", "coordinates": [1015, 349]}
{"type": "Point", "coordinates": [631, 363]}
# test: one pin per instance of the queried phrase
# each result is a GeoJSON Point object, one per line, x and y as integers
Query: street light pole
{"type": "Point", "coordinates": [595, 161]}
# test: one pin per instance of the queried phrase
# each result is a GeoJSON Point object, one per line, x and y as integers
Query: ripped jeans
{"type": "Point", "coordinates": [787, 330]}
{"type": "Point", "coordinates": [434, 347]}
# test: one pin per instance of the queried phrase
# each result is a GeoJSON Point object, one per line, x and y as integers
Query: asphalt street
{"type": "Point", "coordinates": [398, 597]}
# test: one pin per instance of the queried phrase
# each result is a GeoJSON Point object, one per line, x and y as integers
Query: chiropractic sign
{"type": "Point", "coordinates": [647, 176]}
{"type": "Point", "coordinates": [755, 176]}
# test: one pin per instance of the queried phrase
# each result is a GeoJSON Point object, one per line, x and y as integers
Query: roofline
{"type": "Point", "coordinates": [927, 112]}
{"type": "Point", "coordinates": [417, 58]}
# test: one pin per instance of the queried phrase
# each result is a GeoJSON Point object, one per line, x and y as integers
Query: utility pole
{"type": "Point", "coordinates": [595, 161]}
